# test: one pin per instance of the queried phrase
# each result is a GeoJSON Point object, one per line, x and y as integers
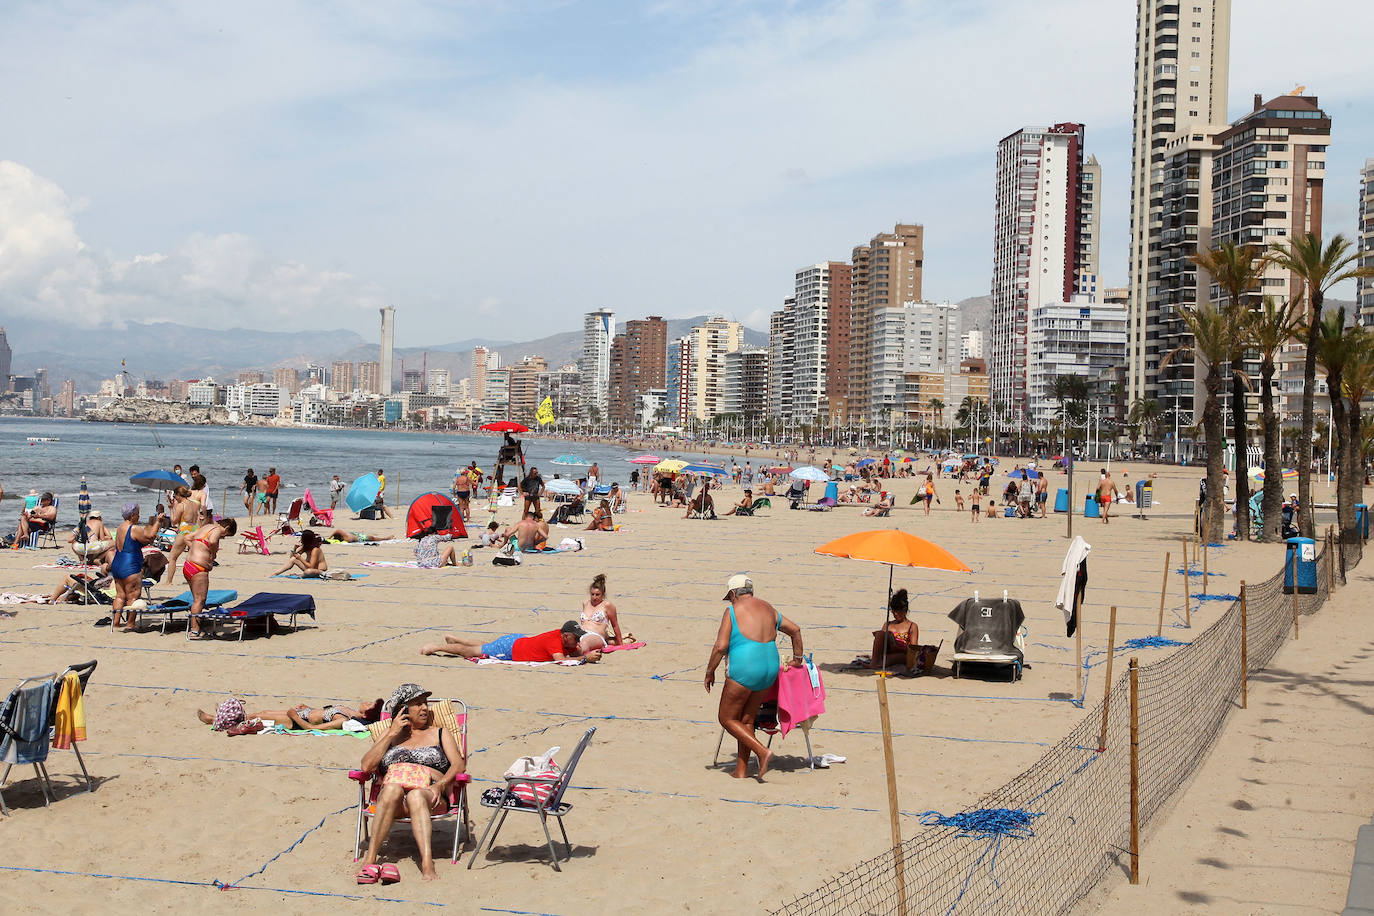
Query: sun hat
{"type": "Point", "coordinates": [94, 513]}
{"type": "Point", "coordinates": [737, 581]}
{"type": "Point", "coordinates": [403, 695]}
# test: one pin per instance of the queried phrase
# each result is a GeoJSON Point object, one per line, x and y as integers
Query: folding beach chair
{"type": "Point", "coordinates": [451, 714]}
{"type": "Point", "coordinates": [318, 516]}
{"type": "Point", "coordinates": [507, 801]}
{"type": "Point", "coordinates": [181, 604]}
{"type": "Point", "coordinates": [83, 673]}
{"type": "Point", "coordinates": [25, 727]}
{"type": "Point", "coordinates": [767, 719]}
{"type": "Point", "coordinates": [262, 606]}
{"type": "Point", "coordinates": [46, 537]}
{"type": "Point", "coordinates": [254, 540]}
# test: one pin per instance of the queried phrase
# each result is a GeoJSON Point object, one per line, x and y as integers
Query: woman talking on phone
{"type": "Point", "coordinates": [418, 762]}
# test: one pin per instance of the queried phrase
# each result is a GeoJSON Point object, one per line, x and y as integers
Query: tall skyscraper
{"type": "Point", "coordinates": [6, 358]}
{"type": "Point", "coordinates": [597, 330]}
{"type": "Point", "coordinates": [370, 377]}
{"type": "Point", "coordinates": [481, 365]}
{"type": "Point", "coordinates": [413, 380]}
{"type": "Point", "coordinates": [839, 279]}
{"type": "Point", "coordinates": [287, 380]}
{"type": "Point", "coordinates": [886, 272]}
{"type": "Point", "coordinates": [1039, 253]}
{"type": "Point", "coordinates": [385, 382]}
{"type": "Point", "coordinates": [341, 376]}
{"type": "Point", "coordinates": [637, 363]}
{"type": "Point", "coordinates": [1364, 239]}
{"type": "Point", "coordinates": [780, 347]}
{"type": "Point", "coordinates": [438, 382]}
{"type": "Point", "coordinates": [1182, 57]}
{"type": "Point", "coordinates": [67, 399]}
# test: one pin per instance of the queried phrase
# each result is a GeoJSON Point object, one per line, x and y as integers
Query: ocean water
{"type": "Point", "coordinates": [108, 453]}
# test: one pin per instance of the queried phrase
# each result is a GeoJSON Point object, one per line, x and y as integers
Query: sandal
{"type": "Point", "coordinates": [369, 874]}
{"type": "Point", "coordinates": [390, 874]}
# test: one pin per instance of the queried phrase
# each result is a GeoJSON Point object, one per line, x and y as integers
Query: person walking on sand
{"type": "Point", "coordinates": [250, 492]}
{"type": "Point", "coordinates": [200, 559]}
{"type": "Point", "coordinates": [336, 488]}
{"type": "Point", "coordinates": [1106, 494]}
{"type": "Point", "coordinates": [273, 481]}
{"type": "Point", "coordinates": [1042, 493]}
{"type": "Point", "coordinates": [748, 635]}
{"type": "Point", "coordinates": [928, 492]}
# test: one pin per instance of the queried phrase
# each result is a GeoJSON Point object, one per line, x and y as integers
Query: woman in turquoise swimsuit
{"type": "Point", "coordinates": [748, 634]}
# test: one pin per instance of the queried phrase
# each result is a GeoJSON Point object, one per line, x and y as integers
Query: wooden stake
{"type": "Point", "coordinates": [1135, 773]}
{"type": "Point", "coordinates": [892, 794]}
{"type": "Point", "coordinates": [1295, 596]}
{"type": "Point", "coordinates": [1078, 638]}
{"type": "Point", "coordinates": [1107, 690]}
{"type": "Point", "coordinates": [1204, 566]}
{"type": "Point", "coordinates": [1187, 605]}
{"type": "Point", "coordinates": [1244, 651]}
{"type": "Point", "coordinates": [1330, 559]}
{"type": "Point", "coordinates": [1163, 587]}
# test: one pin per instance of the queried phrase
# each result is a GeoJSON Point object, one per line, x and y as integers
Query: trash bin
{"type": "Point", "coordinates": [1061, 500]}
{"type": "Point", "coordinates": [1300, 566]}
{"type": "Point", "coordinates": [1144, 494]}
{"type": "Point", "coordinates": [1362, 520]}
{"type": "Point", "coordinates": [1090, 507]}
{"type": "Point", "coordinates": [832, 491]}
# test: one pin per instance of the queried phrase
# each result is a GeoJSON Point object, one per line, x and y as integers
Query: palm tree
{"type": "Point", "coordinates": [937, 413]}
{"type": "Point", "coordinates": [1212, 333]}
{"type": "Point", "coordinates": [1267, 330]}
{"type": "Point", "coordinates": [1143, 419]}
{"type": "Point", "coordinates": [1319, 269]}
{"type": "Point", "coordinates": [1338, 349]}
{"type": "Point", "coordinates": [1358, 383]}
{"type": "Point", "coordinates": [1236, 270]}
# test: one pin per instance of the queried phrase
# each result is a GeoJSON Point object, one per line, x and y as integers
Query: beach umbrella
{"type": "Point", "coordinates": [781, 469]}
{"type": "Point", "coordinates": [363, 492]}
{"type": "Point", "coordinates": [1024, 474]}
{"type": "Point", "coordinates": [575, 460]}
{"type": "Point", "coordinates": [810, 473]}
{"type": "Point", "coordinates": [645, 459]}
{"type": "Point", "coordinates": [505, 426]}
{"type": "Point", "coordinates": [157, 480]}
{"type": "Point", "coordinates": [866, 462]}
{"type": "Point", "coordinates": [83, 500]}
{"type": "Point", "coordinates": [703, 469]}
{"type": "Point", "coordinates": [671, 465]}
{"type": "Point", "coordinates": [561, 486]}
{"type": "Point", "coordinates": [1288, 474]}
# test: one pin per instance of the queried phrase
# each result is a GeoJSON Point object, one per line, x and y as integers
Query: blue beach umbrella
{"type": "Point", "coordinates": [363, 492]}
{"type": "Point", "coordinates": [1024, 474]}
{"type": "Point", "coordinates": [157, 480]}
{"type": "Point", "coordinates": [573, 460]}
{"type": "Point", "coordinates": [866, 462]}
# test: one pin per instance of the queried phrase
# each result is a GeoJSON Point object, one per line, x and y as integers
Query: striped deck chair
{"type": "Point", "coordinates": [451, 714]}
{"type": "Point", "coordinates": [318, 516]}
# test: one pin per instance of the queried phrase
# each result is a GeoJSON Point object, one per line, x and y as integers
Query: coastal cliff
{"type": "Point", "coordinates": [170, 413]}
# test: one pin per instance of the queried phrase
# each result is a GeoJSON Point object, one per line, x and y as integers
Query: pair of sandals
{"type": "Point", "coordinates": [383, 874]}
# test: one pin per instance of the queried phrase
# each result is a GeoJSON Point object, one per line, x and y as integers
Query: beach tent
{"type": "Point", "coordinates": [436, 508]}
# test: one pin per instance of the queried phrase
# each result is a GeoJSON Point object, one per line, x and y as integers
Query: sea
{"type": "Point", "coordinates": [107, 454]}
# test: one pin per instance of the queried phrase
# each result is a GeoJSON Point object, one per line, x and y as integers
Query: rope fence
{"type": "Point", "coordinates": [1040, 843]}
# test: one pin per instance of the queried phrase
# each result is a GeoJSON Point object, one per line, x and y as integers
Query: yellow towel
{"type": "Point", "coordinates": [69, 724]}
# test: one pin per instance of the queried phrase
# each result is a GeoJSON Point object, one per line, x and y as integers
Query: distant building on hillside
{"type": "Point", "coordinates": [1364, 240]}
{"type": "Point", "coordinates": [250, 378]}
{"type": "Point", "coordinates": [437, 382]}
{"type": "Point", "coordinates": [413, 380]}
{"type": "Point", "coordinates": [386, 383]}
{"type": "Point", "coordinates": [595, 365]}
{"type": "Point", "coordinates": [6, 361]}
{"type": "Point", "coordinates": [288, 380]}
{"type": "Point", "coordinates": [341, 377]}
{"type": "Point", "coordinates": [370, 377]}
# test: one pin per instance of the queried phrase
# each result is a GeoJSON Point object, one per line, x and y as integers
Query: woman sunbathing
{"type": "Point", "coordinates": [598, 614]}
{"type": "Point", "coordinates": [317, 718]}
{"type": "Point", "coordinates": [601, 518]}
{"type": "Point", "coordinates": [418, 762]}
{"type": "Point", "coordinates": [307, 556]}
{"type": "Point", "coordinates": [351, 537]}
{"type": "Point", "coordinates": [553, 646]}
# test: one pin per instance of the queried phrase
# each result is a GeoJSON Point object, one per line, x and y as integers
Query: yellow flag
{"type": "Point", "coordinates": [545, 412]}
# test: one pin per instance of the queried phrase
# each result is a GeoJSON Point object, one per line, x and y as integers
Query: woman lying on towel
{"type": "Point", "coordinates": [300, 715]}
{"type": "Point", "coordinates": [571, 641]}
{"type": "Point", "coordinates": [308, 557]}
{"type": "Point", "coordinates": [418, 762]}
{"type": "Point", "coordinates": [351, 537]}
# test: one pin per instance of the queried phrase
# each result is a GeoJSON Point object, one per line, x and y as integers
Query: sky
{"type": "Point", "coordinates": [496, 169]}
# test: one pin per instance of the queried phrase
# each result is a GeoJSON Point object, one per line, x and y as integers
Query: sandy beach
{"type": "Point", "coordinates": [179, 807]}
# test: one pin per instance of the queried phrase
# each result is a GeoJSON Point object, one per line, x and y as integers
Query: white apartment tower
{"type": "Point", "coordinates": [384, 383]}
{"type": "Point", "coordinates": [595, 365]}
{"type": "Point", "coordinates": [1044, 245]}
{"type": "Point", "coordinates": [1364, 238]}
{"type": "Point", "coordinates": [1182, 56]}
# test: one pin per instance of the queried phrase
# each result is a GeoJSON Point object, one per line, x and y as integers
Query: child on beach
{"type": "Point", "coordinates": [958, 501]}
{"type": "Point", "coordinates": [992, 508]}
{"type": "Point", "coordinates": [976, 511]}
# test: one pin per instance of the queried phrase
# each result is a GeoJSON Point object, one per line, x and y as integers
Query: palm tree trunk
{"type": "Point", "coordinates": [1309, 388]}
{"type": "Point", "coordinates": [1215, 506]}
{"type": "Point", "coordinates": [1242, 440]}
{"type": "Point", "coordinates": [1352, 470]}
{"type": "Point", "coordinates": [1345, 502]}
{"type": "Point", "coordinates": [1273, 459]}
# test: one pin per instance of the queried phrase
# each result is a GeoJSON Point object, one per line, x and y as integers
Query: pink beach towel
{"type": "Point", "coordinates": [797, 700]}
{"type": "Point", "coordinates": [628, 645]}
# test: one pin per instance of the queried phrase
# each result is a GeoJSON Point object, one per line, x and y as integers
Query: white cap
{"type": "Point", "coordinates": [737, 581]}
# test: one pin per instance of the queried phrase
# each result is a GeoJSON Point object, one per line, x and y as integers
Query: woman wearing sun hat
{"type": "Point", "coordinates": [418, 762]}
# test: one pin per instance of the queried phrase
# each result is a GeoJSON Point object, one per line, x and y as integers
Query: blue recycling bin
{"type": "Point", "coordinates": [1362, 520]}
{"type": "Point", "coordinates": [832, 491]}
{"type": "Point", "coordinates": [1090, 507]}
{"type": "Point", "coordinates": [1061, 500]}
{"type": "Point", "coordinates": [1144, 494]}
{"type": "Point", "coordinates": [1300, 567]}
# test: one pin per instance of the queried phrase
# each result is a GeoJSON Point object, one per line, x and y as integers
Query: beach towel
{"type": "Point", "coordinates": [798, 701]}
{"type": "Point", "coordinates": [610, 647]}
{"type": "Point", "coordinates": [327, 577]}
{"type": "Point", "coordinates": [315, 732]}
{"type": "Point", "coordinates": [69, 721]}
{"type": "Point", "coordinates": [501, 661]}
{"type": "Point", "coordinates": [24, 738]}
{"type": "Point", "coordinates": [1074, 582]}
{"type": "Point", "coordinates": [395, 564]}
{"type": "Point", "coordinates": [16, 598]}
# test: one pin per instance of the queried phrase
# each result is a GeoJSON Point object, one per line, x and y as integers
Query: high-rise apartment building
{"type": "Point", "coordinates": [1364, 238]}
{"type": "Point", "coordinates": [810, 342]}
{"type": "Point", "coordinates": [637, 363]}
{"type": "Point", "coordinates": [438, 382]}
{"type": "Point", "coordinates": [66, 401]}
{"type": "Point", "coordinates": [523, 388]}
{"type": "Point", "coordinates": [483, 362]}
{"type": "Point", "coordinates": [385, 381]}
{"type": "Point", "coordinates": [886, 272]}
{"type": "Point", "coordinates": [912, 337]}
{"type": "Point", "coordinates": [1077, 337]}
{"type": "Point", "coordinates": [971, 344]}
{"type": "Point", "coordinates": [1090, 193]}
{"type": "Point", "coordinates": [287, 380]}
{"type": "Point", "coordinates": [250, 378]}
{"type": "Point", "coordinates": [6, 361]}
{"type": "Point", "coordinates": [744, 383]}
{"type": "Point", "coordinates": [1268, 179]}
{"type": "Point", "coordinates": [1182, 57]}
{"type": "Point", "coordinates": [369, 377]}
{"type": "Point", "coordinates": [694, 375]}
{"type": "Point", "coordinates": [413, 380]}
{"type": "Point", "coordinates": [595, 365]}
{"type": "Point", "coordinates": [1040, 252]}
{"type": "Point", "coordinates": [341, 376]}
{"type": "Point", "coordinates": [839, 280]}
{"type": "Point", "coordinates": [780, 325]}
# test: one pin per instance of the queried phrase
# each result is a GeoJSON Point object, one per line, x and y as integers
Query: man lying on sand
{"type": "Point", "coordinates": [571, 641]}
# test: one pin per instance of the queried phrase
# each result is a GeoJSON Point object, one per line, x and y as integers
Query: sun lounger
{"type": "Point", "coordinates": [990, 633]}
{"type": "Point", "coordinates": [181, 604]}
{"type": "Point", "coordinates": [261, 606]}
{"type": "Point", "coordinates": [318, 516]}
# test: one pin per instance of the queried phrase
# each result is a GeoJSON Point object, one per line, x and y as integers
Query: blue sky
{"type": "Point", "coordinates": [495, 169]}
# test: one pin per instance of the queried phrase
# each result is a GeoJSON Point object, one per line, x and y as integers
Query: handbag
{"type": "Point", "coordinates": [542, 766]}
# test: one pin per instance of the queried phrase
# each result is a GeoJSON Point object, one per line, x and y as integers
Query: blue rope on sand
{"type": "Point", "coordinates": [986, 823]}
{"type": "Point", "coordinates": [1206, 597]}
{"type": "Point", "coordinates": [1150, 642]}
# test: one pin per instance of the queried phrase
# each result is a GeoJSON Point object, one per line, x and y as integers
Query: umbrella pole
{"type": "Point", "coordinates": [892, 793]}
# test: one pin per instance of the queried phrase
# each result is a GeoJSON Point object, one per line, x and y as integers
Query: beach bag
{"type": "Point", "coordinates": [543, 766]}
{"type": "Point", "coordinates": [507, 555]}
{"type": "Point", "coordinates": [229, 714]}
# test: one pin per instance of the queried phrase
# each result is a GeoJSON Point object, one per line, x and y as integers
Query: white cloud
{"type": "Point", "coordinates": [225, 280]}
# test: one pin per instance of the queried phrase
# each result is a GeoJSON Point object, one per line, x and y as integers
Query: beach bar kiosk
{"type": "Point", "coordinates": [1300, 567]}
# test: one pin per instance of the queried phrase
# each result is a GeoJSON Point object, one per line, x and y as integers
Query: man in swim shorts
{"type": "Point", "coordinates": [748, 635]}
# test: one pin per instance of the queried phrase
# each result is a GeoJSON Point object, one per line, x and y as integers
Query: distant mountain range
{"type": "Point", "coordinates": [166, 350]}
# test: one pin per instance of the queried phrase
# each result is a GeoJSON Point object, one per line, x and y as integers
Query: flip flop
{"type": "Point", "coordinates": [390, 874]}
{"type": "Point", "coordinates": [369, 874]}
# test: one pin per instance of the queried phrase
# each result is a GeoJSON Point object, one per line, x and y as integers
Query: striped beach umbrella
{"type": "Point", "coordinates": [83, 500]}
